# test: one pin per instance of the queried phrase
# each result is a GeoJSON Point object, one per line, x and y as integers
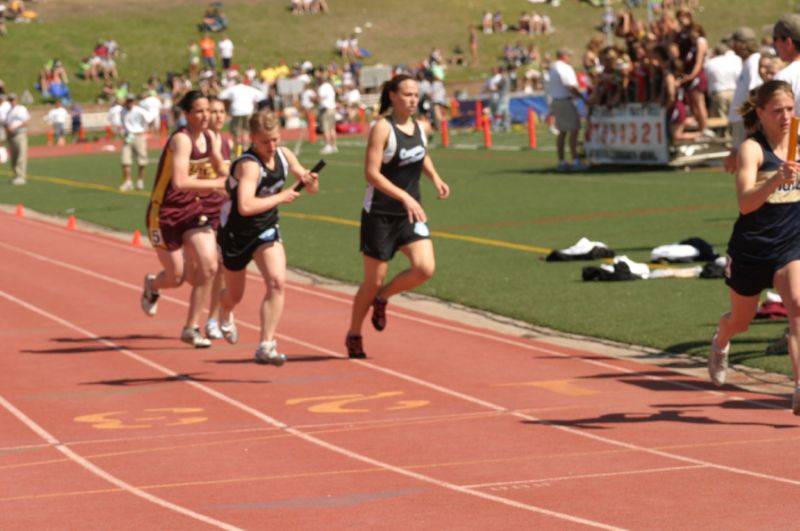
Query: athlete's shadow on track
{"type": "Point", "coordinates": [604, 422]}
{"type": "Point", "coordinates": [92, 346]}
{"type": "Point", "coordinates": [187, 377]}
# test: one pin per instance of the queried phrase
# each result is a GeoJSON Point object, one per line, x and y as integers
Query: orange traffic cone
{"type": "Point", "coordinates": [71, 225]}
{"type": "Point", "coordinates": [20, 211]}
{"type": "Point", "coordinates": [531, 129]}
{"type": "Point", "coordinates": [50, 136]}
{"type": "Point", "coordinates": [487, 133]}
{"type": "Point", "coordinates": [137, 239]}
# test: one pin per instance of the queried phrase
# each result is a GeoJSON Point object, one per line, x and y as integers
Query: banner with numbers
{"type": "Point", "coordinates": [628, 134]}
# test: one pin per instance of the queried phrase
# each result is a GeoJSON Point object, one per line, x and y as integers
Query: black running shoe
{"type": "Point", "coordinates": [355, 349]}
{"type": "Point", "coordinates": [379, 314]}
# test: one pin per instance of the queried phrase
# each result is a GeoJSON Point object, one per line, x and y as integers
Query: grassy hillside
{"type": "Point", "coordinates": [153, 35]}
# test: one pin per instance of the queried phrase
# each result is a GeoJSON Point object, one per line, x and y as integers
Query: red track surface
{"type": "Point", "coordinates": [108, 421]}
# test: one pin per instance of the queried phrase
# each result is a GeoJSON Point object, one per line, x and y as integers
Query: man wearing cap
{"type": "Point", "coordinates": [562, 88]}
{"type": "Point", "coordinates": [16, 127]}
{"type": "Point", "coordinates": [135, 123]}
{"type": "Point", "coordinates": [745, 43]}
{"type": "Point", "coordinates": [786, 39]}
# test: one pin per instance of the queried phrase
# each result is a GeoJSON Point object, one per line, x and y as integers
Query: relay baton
{"type": "Point", "coordinates": [792, 153]}
{"type": "Point", "coordinates": [321, 164]}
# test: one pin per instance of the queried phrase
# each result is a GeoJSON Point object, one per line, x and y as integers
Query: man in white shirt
{"type": "Point", "coordinates": [16, 125]}
{"type": "Point", "coordinates": [5, 106]}
{"type": "Point", "coordinates": [722, 71]}
{"type": "Point", "coordinates": [226, 51]}
{"type": "Point", "coordinates": [786, 39]}
{"type": "Point", "coordinates": [153, 104]}
{"type": "Point", "coordinates": [135, 123]}
{"type": "Point", "coordinates": [326, 96]}
{"type": "Point", "coordinates": [745, 43]}
{"type": "Point", "coordinates": [243, 100]}
{"type": "Point", "coordinates": [562, 88]}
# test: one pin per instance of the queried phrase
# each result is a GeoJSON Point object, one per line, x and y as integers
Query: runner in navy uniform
{"type": "Point", "coordinates": [764, 249]}
{"type": "Point", "coordinates": [187, 170]}
{"type": "Point", "coordinates": [249, 228]}
{"type": "Point", "coordinates": [393, 218]}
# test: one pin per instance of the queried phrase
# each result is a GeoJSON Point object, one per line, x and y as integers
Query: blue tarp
{"type": "Point", "coordinates": [519, 109]}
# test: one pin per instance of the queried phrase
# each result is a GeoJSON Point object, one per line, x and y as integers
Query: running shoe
{"type": "Point", "coordinates": [229, 331]}
{"type": "Point", "coordinates": [562, 166]}
{"type": "Point", "coordinates": [149, 296]}
{"type": "Point", "coordinates": [212, 329]}
{"type": "Point", "coordinates": [127, 186]}
{"type": "Point", "coordinates": [718, 361]}
{"type": "Point", "coordinates": [796, 401]}
{"type": "Point", "coordinates": [140, 184]}
{"type": "Point", "coordinates": [578, 165]}
{"type": "Point", "coordinates": [379, 314]}
{"type": "Point", "coordinates": [355, 348]}
{"type": "Point", "coordinates": [267, 354]}
{"type": "Point", "coordinates": [191, 336]}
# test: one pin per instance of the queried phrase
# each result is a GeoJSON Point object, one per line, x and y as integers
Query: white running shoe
{"type": "Point", "coordinates": [149, 296]}
{"type": "Point", "coordinates": [718, 362]}
{"type": "Point", "coordinates": [212, 330]}
{"type": "Point", "coordinates": [327, 150]}
{"type": "Point", "coordinates": [578, 165]}
{"type": "Point", "coordinates": [192, 337]}
{"type": "Point", "coordinates": [562, 166]}
{"type": "Point", "coordinates": [229, 331]}
{"type": "Point", "coordinates": [267, 353]}
{"type": "Point", "coordinates": [127, 186]}
{"type": "Point", "coordinates": [140, 184]}
{"type": "Point", "coordinates": [18, 181]}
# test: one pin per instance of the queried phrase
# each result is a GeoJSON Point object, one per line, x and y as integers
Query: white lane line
{"type": "Point", "coordinates": [279, 424]}
{"type": "Point", "coordinates": [502, 485]}
{"type": "Point", "coordinates": [99, 472]}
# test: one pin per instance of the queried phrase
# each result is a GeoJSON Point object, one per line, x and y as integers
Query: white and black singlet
{"type": "Point", "coordinates": [402, 165]}
{"type": "Point", "coordinates": [239, 236]}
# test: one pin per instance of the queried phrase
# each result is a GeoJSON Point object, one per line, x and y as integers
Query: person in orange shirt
{"type": "Point", "coordinates": [208, 51]}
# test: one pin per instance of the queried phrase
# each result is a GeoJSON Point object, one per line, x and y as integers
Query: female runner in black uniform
{"type": "Point", "coordinates": [764, 249]}
{"type": "Point", "coordinates": [393, 218]}
{"type": "Point", "coordinates": [249, 228]}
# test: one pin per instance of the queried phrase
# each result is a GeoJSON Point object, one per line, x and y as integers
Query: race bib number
{"type": "Point", "coordinates": [155, 237]}
{"type": "Point", "coordinates": [421, 229]}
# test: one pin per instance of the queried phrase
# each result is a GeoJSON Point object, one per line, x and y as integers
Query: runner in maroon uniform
{"type": "Point", "coordinates": [188, 168]}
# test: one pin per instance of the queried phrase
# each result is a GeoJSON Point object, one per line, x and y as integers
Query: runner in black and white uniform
{"type": "Point", "coordinates": [764, 249]}
{"type": "Point", "coordinates": [249, 228]}
{"type": "Point", "coordinates": [393, 218]}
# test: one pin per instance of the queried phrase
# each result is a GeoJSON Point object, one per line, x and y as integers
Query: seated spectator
{"type": "Point", "coordinates": [498, 26]}
{"type": "Point", "coordinates": [213, 20]}
{"type": "Point", "coordinates": [486, 22]}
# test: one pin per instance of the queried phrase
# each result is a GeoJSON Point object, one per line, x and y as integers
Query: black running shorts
{"type": "Point", "coordinates": [382, 235]}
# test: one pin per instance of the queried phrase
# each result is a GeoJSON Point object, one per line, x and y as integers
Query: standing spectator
{"type": "Point", "coordinates": [693, 49]}
{"type": "Point", "coordinates": [722, 71]}
{"type": "Point", "coordinates": [562, 89]}
{"type": "Point", "coordinates": [152, 104]}
{"type": "Point", "coordinates": [326, 96]}
{"type": "Point", "coordinates": [194, 60]}
{"type": "Point", "coordinates": [208, 51]}
{"type": "Point", "coordinates": [115, 117]}
{"type": "Point", "coordinates": [16, 125]}
{"type": "Point", "coordinates": [786, 39]}
{"type": "Point", "coordinates": [226, 51]}
{"type": "Point", "coordinates": [58, 117]}
{"type": "Point", "coordinates": [5, 106]}
{"type": "Point", "coordinates": [75, 114]}
{"type": "Point", "coordinates": [243, 100]}
{"type": "Point", "coordinates": [504, 100]}
{"type": "Point", "coordinates": [135, 123]}
{"type": "Point", "coordinates": [473, 46]}
{"type": "Point", "coordinates": [745, 44]}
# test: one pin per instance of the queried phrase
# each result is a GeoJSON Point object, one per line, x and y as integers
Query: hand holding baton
{"type": "Point", "coordinates": [316, 169]}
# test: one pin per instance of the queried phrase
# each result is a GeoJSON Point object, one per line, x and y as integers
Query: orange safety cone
{"type": "Point", "coordinates": [137, 239]}
{"type": "Point", "coordinates": [362, 119]}
{"type": "Point", "coordinates": [71, 225]}
{"type": "Point", "coordinates": [109, 132]}
{"type": "Point", "coordinates": [445, 133]}
{"type": "Point", "coordinates": [82, 134]}
{"type": "Point", "coordinates": [531, 129]}
{"type": "Point", "coordinates": [20, 212]}
{"type": "Point", "coordinates": [49, 136]}
{"type": "Point", "coordinates": [163, 129]}
{"type": "Point", "coordinates": [312, 128]}
{"type": "Point", "coordinates": [478, 115]}
{"type": "Point", "coordinates": [487, 133]}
